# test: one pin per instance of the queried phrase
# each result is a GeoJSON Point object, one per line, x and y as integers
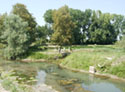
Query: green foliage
{"type": "Point", "coordinates": [21, 11]}
{"type": "Point", "coordinates": [2, 18]}
{"type": "Point", "coordinates": [101, 30]}
{"type": "Point", "coordinates": [92, 27]}
{"type": "Point", "coordinates": [77, 17]}
{"type": "Point", "coordinates": [37, 55]}
{"type": "Point", "coordinates": [49, 21]}
{"type": "Point", "coordinates": [16, 37]}
{"type": "Point", "coordinates": [44, 56]}
{"type": "Point", "coordinates": [121, 43]}
{"type": "Point", "coordinates": [10, 82]}
{"type": "Point", "coordinates": [62, 26]}
{"type": "Point", "coordinates": [48, 16]}
{"type": "Point", "coordinates": [118, 70]}
{"type": "Point", "coordinates": [2, 46]}
{"type": "Point", "coordinates": [41, 35]}
{"type": "Point", "coordinates": [97, 56]}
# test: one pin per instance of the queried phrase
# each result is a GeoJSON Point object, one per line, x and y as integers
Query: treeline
{"type": "Point", "coordinates": [91, 27]}
{"type": "Point", "coordinates": [64, 26]}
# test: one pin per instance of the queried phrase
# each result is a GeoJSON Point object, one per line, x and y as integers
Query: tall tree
{"type": "Point", "coordinates": [101, 30]}
{"type": "Point", "coordinates": [41, 35]}
{"type": "Point", "coordinates": [77, 17]}
{"type": "Point", "coordinates": [118, 23]}
{"type": "Point", "coordinates": [2, 18]}
{"type": "Point", "coordinates": [63, 25]}
{"type": "Point", "coordinates": [93, 27]}
{"type": "Point", "coordinates": [48, 16]}
{"type": "Point", "coordinates": [86, 22]}
{"type": "Point", "coordinates": [16, 37]}
{"type": "Point", "coordinates": [21, 10]}
{"type": "Point", "coordinates": [49, 21]}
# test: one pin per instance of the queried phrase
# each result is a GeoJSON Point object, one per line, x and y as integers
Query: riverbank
{"type": "Point", "coordinates": [75, 70]}
{"type": "Point", "coordinates": [108, 60]}
{"type": "Point", "coordinates": [59, 78]}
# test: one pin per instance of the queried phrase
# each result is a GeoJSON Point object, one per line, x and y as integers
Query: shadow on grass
{"type": "Point", "coordinates": [32, 50]}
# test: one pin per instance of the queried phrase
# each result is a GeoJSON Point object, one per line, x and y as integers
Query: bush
{"type": "Point", "coordinates": [16, 37]}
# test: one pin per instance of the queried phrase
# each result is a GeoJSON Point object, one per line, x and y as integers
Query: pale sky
{"type": "Point", "coordinates": [39, 7]}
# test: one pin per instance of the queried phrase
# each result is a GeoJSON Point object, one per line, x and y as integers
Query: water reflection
{"type": "Point", "coordinates": [41, 76]}
{"type": "Point", "coordinates": [101, 87]}
{"type": "Point", "coordinates": [51, 74]}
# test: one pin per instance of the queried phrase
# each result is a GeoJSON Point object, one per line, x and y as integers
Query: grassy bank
{"type": "Point", "coordinates": [106, 59]}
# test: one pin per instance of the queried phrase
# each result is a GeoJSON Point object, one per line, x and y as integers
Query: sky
{"type": "Point", "coordinates": [38, 7]}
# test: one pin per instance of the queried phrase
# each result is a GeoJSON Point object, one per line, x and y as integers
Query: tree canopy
{"type": "Point", "coordinates": [62, 26]}
{"type": "Point", "coordinates": [92, 27]}
{"type": "Point", "coordinates": [21, 10]}
{"type": "Point", "coordinates": [16, 37]}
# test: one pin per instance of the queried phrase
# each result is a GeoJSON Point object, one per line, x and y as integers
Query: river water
{"type": "Point", "coordinates": [64, 80]}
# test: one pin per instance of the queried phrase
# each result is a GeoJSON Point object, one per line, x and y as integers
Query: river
{"type": "Point", "coordinates": [63, 80]}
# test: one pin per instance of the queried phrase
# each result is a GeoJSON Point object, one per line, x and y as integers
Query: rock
{"type": "Point", "coordinates": [92, 69]}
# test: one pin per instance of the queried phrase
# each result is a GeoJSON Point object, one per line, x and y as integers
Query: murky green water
{"type": "Point", "coordinates": [64, 80]}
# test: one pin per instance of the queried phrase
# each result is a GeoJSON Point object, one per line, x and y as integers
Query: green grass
{"type": "Point", "coordinates": [38, 55]}
{"type": "Point", "coordinates": [47, 55]}
{"type": "Point", "coordinates": [95, 55]}
{"type": "Point", "coordinates": [118, 70]}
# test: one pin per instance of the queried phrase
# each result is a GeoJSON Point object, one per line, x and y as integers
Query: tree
{"type": "Point", "coordinates": [118, 23]}
{"type": "Point", "coordinates": [101, 30]}
{"type": "Point", "coordinates": [85, 25]}
{"type": "Point", "coordinates": [77, 18]}
{"type": "Point", "coordinates": [62, 26]}
{"type": "Point", "coordinates": [48, 16]}
{"type": "Point", "coordinates": [21, 10]}
{"type": "Point", "coordinates": [2, 18]}
{"type": "Point", "coordinates": [16, 37]}
{"type": "Point", "coordinates": [49, 21]}
{"type": "Point", "coordinates": [92, 27]}
{"type": "Point", "coordinates": [41, 34]}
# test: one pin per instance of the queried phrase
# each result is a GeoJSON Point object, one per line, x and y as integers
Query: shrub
{"type": "Point", "coordinates": [16, 37]}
